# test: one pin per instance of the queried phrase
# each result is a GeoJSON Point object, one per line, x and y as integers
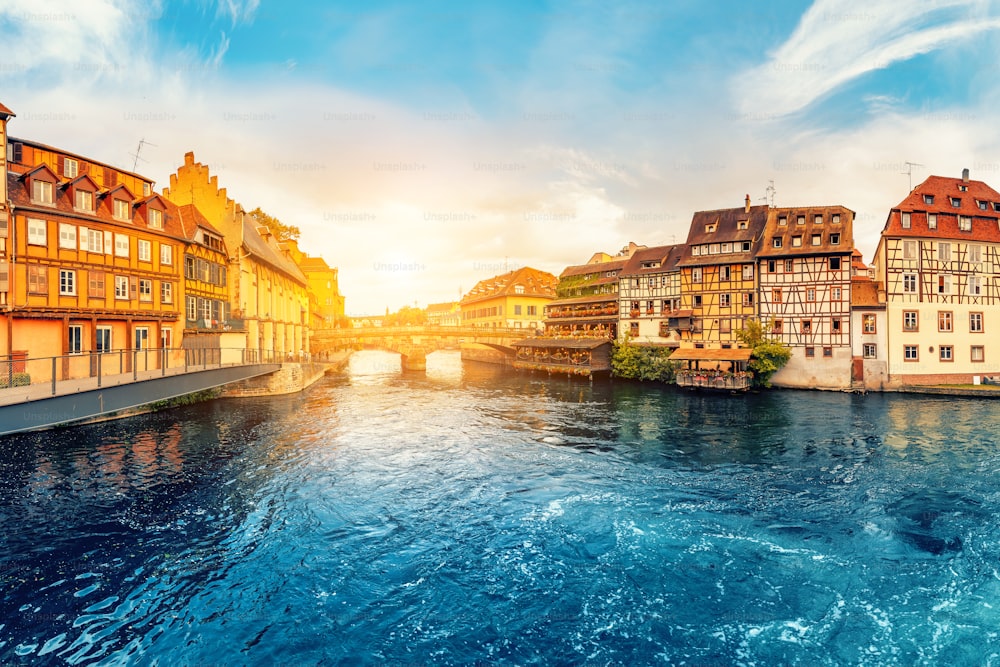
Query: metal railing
{"type": "Point", "coordinates": [17, 371]}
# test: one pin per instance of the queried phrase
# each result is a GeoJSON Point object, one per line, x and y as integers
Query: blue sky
{"type": "Point", "coordinates": [423, 146]}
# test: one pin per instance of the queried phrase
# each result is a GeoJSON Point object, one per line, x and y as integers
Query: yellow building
{"type": "Point", "coordinates": [90, 261]}
{"type": "Point", "coordinates": [268, 291]}
{"type": "Point", "coordinates": [515, 300]}
{"type": "Point", "coordinates": [324, 288]}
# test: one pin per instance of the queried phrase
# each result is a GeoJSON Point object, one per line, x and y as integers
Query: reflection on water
{"type": "Point", "coordinates": [468, 514]}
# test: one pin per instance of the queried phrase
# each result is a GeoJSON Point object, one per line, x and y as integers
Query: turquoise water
{"type": "Point", "coordinates": [469, 516]}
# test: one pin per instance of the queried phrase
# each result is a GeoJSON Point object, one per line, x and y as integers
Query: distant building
{"type": "Point", "coordinates": [447, 314]}
{"type": "Point", "coordinates": [649, 290]}
{"type": "Point", "coordinates": [938, 261]}
{"type": "Point", "coordinates": [514, 300]}
{"type": "Point", "coordinates": [869, 329]}
{"type": "Point", "coordinates": [327, 303]}
{"type": "Point", "coordinates": [587, 303]}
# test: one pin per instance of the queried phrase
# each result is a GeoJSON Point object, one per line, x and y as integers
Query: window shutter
{"type": "Point", "coordinates": [4, 275]}
{"type": "Point", "coordinates": [17, 154]}
{"type": "Point", "coordinates": [4, 224]}
{"type": "Point", "coordinates": [133, 286]}
{"type": "Point", "coordinates": [109, 243]}
{"type": "Point", "coordinates": [82, 238]}
{"type": "Point", "coordinates": [60, 165]}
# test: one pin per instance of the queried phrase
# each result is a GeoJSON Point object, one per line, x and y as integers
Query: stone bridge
{"type": "Point", "coordinates": [414, 343]}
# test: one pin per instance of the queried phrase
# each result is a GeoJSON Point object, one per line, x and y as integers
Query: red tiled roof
{"type": "Point", "coordinates": [532, 281]}
{"type": "Point", "coordinates": [942, 189]}
{"type": "Point", "coordinates": [6, 111]}
{"type": "Point", "coordinates": [864, 292]}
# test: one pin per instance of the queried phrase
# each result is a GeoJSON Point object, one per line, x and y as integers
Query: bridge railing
{"type": "Point", "coordinates": [20, 371]}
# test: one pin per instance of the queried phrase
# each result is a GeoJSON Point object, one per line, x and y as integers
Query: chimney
{"type": "Point", "coordinates": [746, 205]}
{"type": "Point", "coordinates": [965, 175]}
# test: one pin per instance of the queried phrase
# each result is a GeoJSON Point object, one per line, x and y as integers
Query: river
{"type": "Point", "coordinates": [473, 516]}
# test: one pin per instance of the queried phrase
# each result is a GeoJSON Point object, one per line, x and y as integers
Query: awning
{"type": "Point", "coordinates": [704, 354]}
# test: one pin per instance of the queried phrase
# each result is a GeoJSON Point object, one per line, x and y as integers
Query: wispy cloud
{"type": "Point", "coordinates": [838, 41]}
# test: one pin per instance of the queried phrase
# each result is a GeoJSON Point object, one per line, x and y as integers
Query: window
{"type": "Point", "coordinates": [728, 247]}
{"type": "Point", "coordinates": [70, 168]}
{"type": "Point", "coordinates": [932, 221]}
{"type": "Point", "coordinates": [869, 351]}
{"type": "Point", "coordinates": [807, 326]}
{"type": "Point", "coordinates": [696, 274]}
{"type": "Point", "coordinates": [41, 192]}
{"type": "Point", "coordinates": [777, 326]}
{"type": "Point", "coordinates": [928, 199]}
{"type": "Point", "coordinates": [748, 299]}
{"type": "Point", "coordinates": [37, 232]}
{"type": "Point", "coordinates": [95, 240]}
{"type": "Point", "coordinates": [827, 351]}
{"type": "Point", "coordinates": [975, 286]}
{"type": "Point", "coordinates": [67, 282]}
{"type": "Point", "coordinates": [946, 353]}
{"type": "Point", "coordinates": [975, 322]}
{"type": "Point", "coordinates": [532, 310]}
{"type": "Point", "coordinates": [38, 279]}
{"type": "Point", "coordinates": [944, 252]}
{"type": "Point", "coordinates": [835, 263]}
{"type": "Point", "coordinates": [789, 265]}
{"type": "Point", "coordinates": [810, 352]}
{"type": "Point", "coordinates": [906, 220]}
{"type": "Point", "coordinates": [776, 295]}
{"type": "Point", "coordinates": [911, 353]}
{"type": "Point", "coordinates": [975, 252]}
{"type": "Point", "coordinates": [166, 338]}
{"type": "Point", "coordinates": [776, 242]}
{"type": "Point", "coordinates": [944, 320]}
{"type": "Point", "coordinates": [725, 273]}
{"type": "Point", "coordinates": [835, 293]}
{"type": "Point", "coordinates": [518, 289]}
{"type": "Point", "coordinates": [191, 308]}
{"type": "Point", "coordinates": [909, 249]}
{"type": "Point", "coordinates": [944, 284]}
{"type": "Point", "coordinates": [103, 339]}
{"type": "Point", "coordinates": [978, 353]}
{"type": "Point", "coordinates": [121, 287]}
{"type": "Point", "coordinates": [145, 289]}
{"type": "Point", "coordinates": [783, 220]}
{"type": "Point", "coordinates": [725, 300]}
{"type": "Point", "coordinates": [742, 224]}
{"type": "Point", "coordinates": [818, 219]}
{"type": "Point", "coordinates": [810, 294]}
{"type": "Point", "coordinates": [748, 272]}
{"type": "Point", "coordinates": [156, 218]}
{"type": "Point", "coordinates": [835, 218]}
{"type": "Point", "coordinates": [800, 220]}
{"type": "Point", "coordinates": [141, 338]}
{"type": "Point", "coordinates": [697, 301]}
{"type": "Point", "coordinates": [122, 210]}
{"type": "Point", "coordinates": [95, 284]}
{"type": "Point", "coordinates": [633, 329]}
{"type": "Point", "coordinates": [166, 292]}
{"type": "Point", "coordinates": [956, 202]}
{"type": "Point", "coordinates": [964, 223]}
{"type": "Point", "coordinates": [911, 320]}
{"type": "Point", "coordinates": [725, 326]}
{"type": "Point", "coordinates": [982, 205]}
{"type": "Point", "coordinates": [909, 283]}
{"type": "Point", "coordinates": [835, 325]}
{"type": "Point", "coordinates": [745, 246]}
{"type": "Point", "coordinates": [121, 245]}
{"type": "Point", "coordinates": [710, 229]}
{"type": "Point", "coordinates": [834, 239]}
{"type": "Point", "coordinates": [75, 339]}
{"type": "Point", "coordinates": [797, 241]}
{"type": "Point", "coordinates": [868, 323]}
{"type": "Point", "coordinates": [772, 266]}
{"type": "Point", "coordinates": [83, 200]}
{"type": "Point", "coordinates": [145, 250]}
{"type": "Point", "coordinates": [67, 236]}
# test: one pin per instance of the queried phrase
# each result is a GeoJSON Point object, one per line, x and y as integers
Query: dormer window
{"type": "Point", "coordinates": [83, 200]}
{"type": "Point", "coordinates": [800, 220]}
{"type": "Point", "coordinates": [796, 241]}
{"type": "Point", "coordinates": [905, 219]}
{"type": "Point", "coordinates": [155, 218]}
{"type": "Point", "coordinates": [963, 188]}
{"type": "Point", "coordinates": [742, 224]}
{"type": "Point", "coordinates": [932, 221]}
{"type": "Point", "coordinates": [835, 218]}
{"type": "Point", "coordinates": [121, 210]}
{"type": "Point", "coordinates": [956, 202]}
{"type": "Point", "coordinates": [964, 223]}
{"type": "Point", "coordinates": [834, 239]}
{"type": "Point", "coordinates": [818, 220]}
{"type": "Point", "coordinates": [982, 205]}
{"type": "Point", "coordinates": [928, 199]}
{"type": "Point", "coordinates": [710, 229]}
{"type": "Point", "coordinates": [146, 189]}
{"type": "Point", "coordinates": [776, 242]}
{"type": "Point", "coordinates": [42, 192]}
{"type": "Point", "coordinates": [70, 168]}
{"type": "Point", "coordinates": [518, 289]}
{"type": "Point", "coordinates": [782, 220]}
{"type": "Point", "coordinates": [817, 239]}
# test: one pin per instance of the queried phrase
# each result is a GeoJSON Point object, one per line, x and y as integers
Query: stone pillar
{"type": "Point", "coordinates": [414, 359]}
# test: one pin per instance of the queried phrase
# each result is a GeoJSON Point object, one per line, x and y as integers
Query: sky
{"type": "Point", "coordinates": [424, 146]}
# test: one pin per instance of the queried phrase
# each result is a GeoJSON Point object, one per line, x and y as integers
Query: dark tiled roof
{"type": "Point", "coordinates": [825, 229]}
{"type": "Point", "coordinates": [597, 268]}
{"type": "Point", "coordinates": [726, 226]}
{"type": "Point", "coordinates": [268, 252]}
{"type": "Point", "coordinates": [666, 257]}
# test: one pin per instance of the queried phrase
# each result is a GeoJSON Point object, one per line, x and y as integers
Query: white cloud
{"type": "Point", "coordinates": [838, 41]}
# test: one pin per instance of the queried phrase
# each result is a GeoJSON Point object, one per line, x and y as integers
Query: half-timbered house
{"type": "Point", "coordinates": [649, 292]}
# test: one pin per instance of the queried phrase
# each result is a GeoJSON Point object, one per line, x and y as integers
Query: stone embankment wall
{"type": "Point", "coordinates": [291, 378]}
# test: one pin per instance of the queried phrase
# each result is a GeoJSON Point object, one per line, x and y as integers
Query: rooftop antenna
{"type": "Point", "coordinates": [769, 193]}
{"type": "Point", "coordinates": [909, 172]}
{"type": "Point", "coordinates": [138, 150]}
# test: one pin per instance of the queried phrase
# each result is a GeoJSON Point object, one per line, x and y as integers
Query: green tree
{"type": "Point", "coordinates": [768, 355]}
{"type": "Point", "coordinates": [641, 362]}
{"type": "Point", "coordinates": [281, 231]}
{"type": "Point", "coordinates": [404, 316]}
